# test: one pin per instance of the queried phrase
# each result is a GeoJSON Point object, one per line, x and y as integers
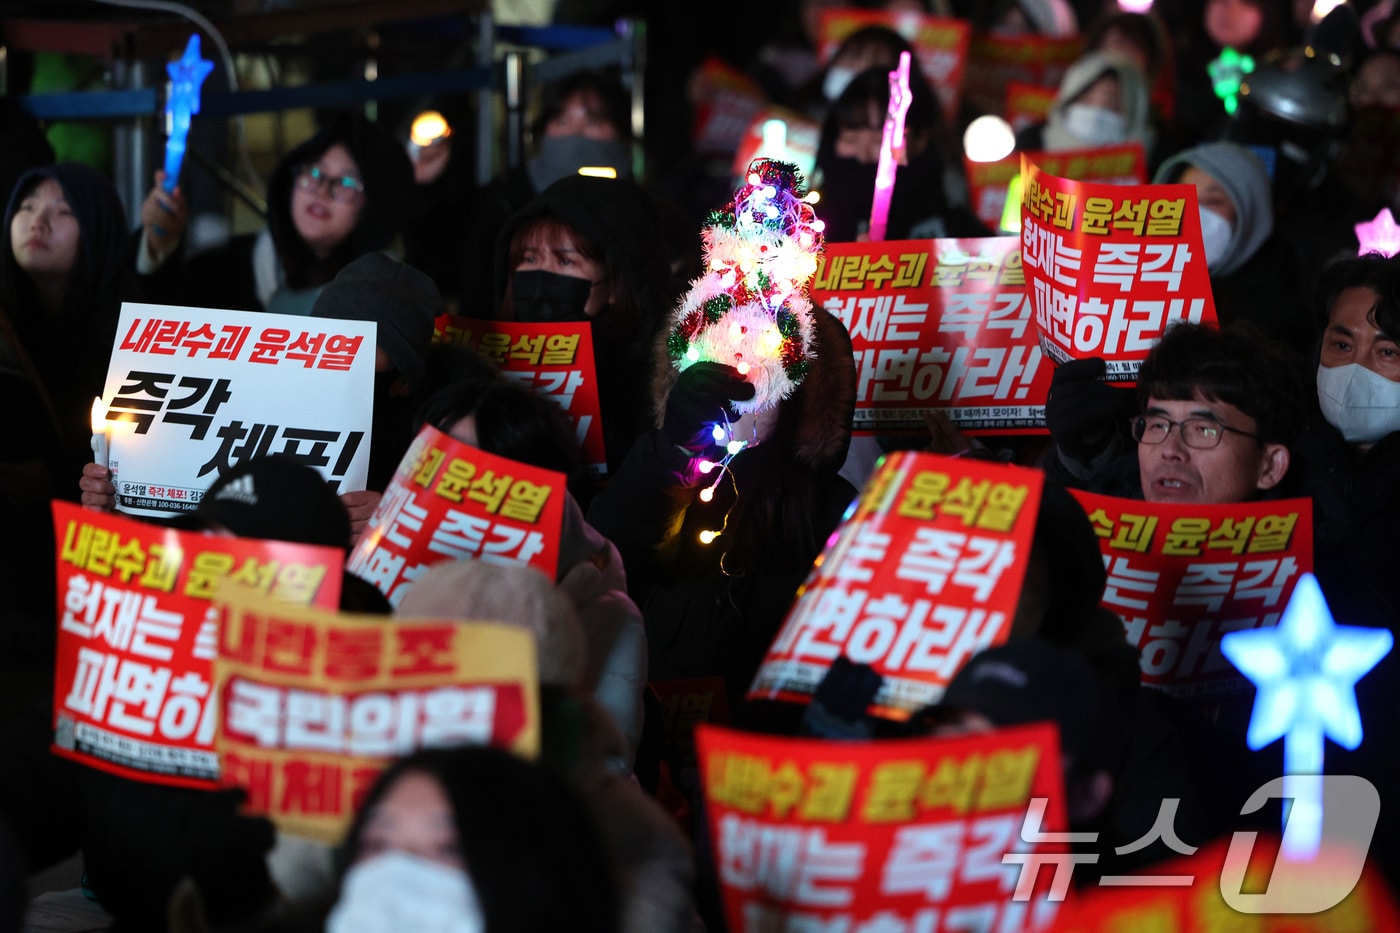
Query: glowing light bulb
{"type": "Point", "coordinates": [707, 494]}
{"type": "Point", "coordinates": [692, 354]}
{"type": "Point", "coordinates": [813, 196]}
{"type": "Point", "coordinates": [706, 466]}
{"type": "Point", "coordinates": [734, 447]}
{"type": "Point", "coordinates": [743, 368]}
{"type": "Point", "coordinates": [805, 239]}
{"type": "Point", "coordinates": [771, 211]}
{"type": "Point", "coordinates": [707, 536]}
{"type": "Point", "coordinates": [753, 178]}
{"type": "Point", "coordinates": [989, 139]}
{"type": "Point", "coordinates": [770, 192]}
{"type": "Point", "coordinates": [819, 225]}
{"type": "Point", "coordinates": [735, 333]}
{"type": "Point", "coordinates": [718, 434]}
{"type": "Point", "coordinates": [772, 341]}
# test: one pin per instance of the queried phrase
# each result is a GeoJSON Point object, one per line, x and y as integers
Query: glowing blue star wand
{"type": "Point", "coordinates": [1305, 670]}
{"type": "Point", "coordinates": [186, 76]}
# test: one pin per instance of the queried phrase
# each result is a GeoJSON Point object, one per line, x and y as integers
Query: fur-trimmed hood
{"type": "Point", "coordinates": [826, 398]}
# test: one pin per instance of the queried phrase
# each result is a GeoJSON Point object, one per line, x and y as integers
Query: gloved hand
{"type": "Point", "coordinates": [700, 399]}
{"type": "Point", "coordinates": [1085, 415]}
{"type": "Point", "coordinates": [837, 710]}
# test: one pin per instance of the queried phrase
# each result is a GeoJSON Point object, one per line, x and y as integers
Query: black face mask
{"type": "Point", "coordinates": [848, 187]}
{"type": "Point", "coordinates": [546, 297]}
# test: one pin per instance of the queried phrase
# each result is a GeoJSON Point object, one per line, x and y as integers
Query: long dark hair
{"type": "Point", "coordinates": [388, 178]}
{"type": "Point", "coordinates": [101, 246]}
{"type": "Point", "coordinates": [532, 850]}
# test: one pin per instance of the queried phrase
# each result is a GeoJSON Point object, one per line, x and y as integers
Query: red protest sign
{"type": "Point", "coordinates": [133, 674]}
{"type": "Point", "coordinates": [1181, 576]}
{"type": "Point", "coordinates": [1111, 165]}
{"type": "Point", "coordinates": [725, 102]}
{"type": "Point", "coordinates": [893, 835]}
{"type": "Point", "coordinates": [555, 360]}
{"type": "Point", "coordinates": [1109, 267]}
{"type": "Point", "coordinates": [1224, 876]}
{"type": "Point", "coordinates": [689, 702]}
{"type": "Point", "coordinates": [1028, 104]}
{"type": "Point", "coordinates": [994, 62]}
{"type": "Point", "coordinates": [449, 501]}
{"type": "Point", "coordinates": [314, 704]}
{"type": "Point", "coordinates": [937, 325]}
{"type": "Point", "coordinates": [940, 45]}
{"type": "Point", "coordinates": [794, 141]}
{"type": "Point", "coordinates": [924, 572]}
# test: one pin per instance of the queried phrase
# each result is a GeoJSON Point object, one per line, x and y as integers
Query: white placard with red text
{"type": "Point", "coordinates": [208, 389]}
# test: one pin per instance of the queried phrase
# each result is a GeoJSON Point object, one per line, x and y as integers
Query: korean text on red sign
{"type": "Point", "coordinates": [449, 501]}
{"type": "Point", "coordinates": [1110, 165]}
{"type": "Point", "coordinates": [940, 45]}
{"type": "Point", "coordinates": [809, 834]}
{"type": "Point", "coordinates": [193, 392]}
{"type": "Point", "coordinates": [1181, 576]}
{"type": "Point", "coordinates": [1109, 267]}
{"type": "Point", "coordinates": [937, 325]}
{"type": "Point", "coordinates": [994, 62]}
{"type": "Point", "coordinates": [313, 704]}
{"type": "Point", "coordinates": [133, 679]}
{"type": "Point", "coordinates": [1028, 104]}
{"type": "Point", "coordinates": [1209, 901]}
{"type": "Point", "coordinates": [925, 572]}
{"type": "Point", "coordinates": [554, 359]}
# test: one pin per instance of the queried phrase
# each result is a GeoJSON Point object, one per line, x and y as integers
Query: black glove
{"type": "Point", "coordinates": [1085, 415]}
{"type": "Point", "coordinates": [837, 710]}
{"type": "Point", "coordinates": [701, 398]}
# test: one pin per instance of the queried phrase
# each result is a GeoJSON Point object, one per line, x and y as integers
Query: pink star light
{"type": "Point", "coordinates": [1380, 235]}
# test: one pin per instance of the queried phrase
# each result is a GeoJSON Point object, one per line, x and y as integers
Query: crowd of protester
{"type": "Point", "coordinates": [1295, 393]}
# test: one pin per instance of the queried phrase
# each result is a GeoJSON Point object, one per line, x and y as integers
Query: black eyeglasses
{"type": "Point", "coordinates": [341, 188]}
{"type": "Point", "coordinates": [1197, 433]}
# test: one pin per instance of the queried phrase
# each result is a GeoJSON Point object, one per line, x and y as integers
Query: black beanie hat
{"type": "Point", "coordinates": [276, 498]}
{"type": "Point", "coordinates": [1030, 680]}
{"type": "Point", "coordinates": [397, 297]}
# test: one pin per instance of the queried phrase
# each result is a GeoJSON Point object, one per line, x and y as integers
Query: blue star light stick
{"type": "Point", "coordinates": [1305, 670]}
{"type": "Point", "coordinates": [186, 76]}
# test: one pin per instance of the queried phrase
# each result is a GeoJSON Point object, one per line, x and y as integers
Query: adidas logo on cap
{"type": "Point", "coordinates": [240, 490]}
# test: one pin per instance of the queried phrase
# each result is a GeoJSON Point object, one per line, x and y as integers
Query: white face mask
{"type": "Point", "coordinates": [837, 80]}
{"type": "Point", "coordinates": [1363, 405]}
{"type": "Point", "coordinates": [397, 892]}
{"type": "Point", "coordinates": [1097, 126]}
{"type": "Point", "coordinates": [1216, 233]}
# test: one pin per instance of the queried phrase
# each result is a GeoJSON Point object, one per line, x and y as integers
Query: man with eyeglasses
{"type": "Point", "coordinates": [1217, 413]}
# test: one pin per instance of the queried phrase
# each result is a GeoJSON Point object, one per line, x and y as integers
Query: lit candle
{"type": "Point", "coordinates": [101, 435]}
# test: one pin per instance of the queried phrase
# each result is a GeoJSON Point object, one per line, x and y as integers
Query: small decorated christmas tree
{"type": "Point", "coordinates": [750, 309]}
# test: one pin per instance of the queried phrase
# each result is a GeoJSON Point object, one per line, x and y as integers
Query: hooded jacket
{"type": "Point", "coordinates": [1134, 93]}
{"type": "Point", "coordinates": [919, 204]}
{"type": "Point", "coordinates": [1246, 181]}
{"type": "Point", "coordinates": [1254, 281]}
{"type": "Point", "coordinates": [621, 219]}
{"type": "Point", "coordinates": [713, 609]}
{"type": "Point", "coordinates": [59, 362]}
{"type": "Point", "coordinates": [250, 270]}
{"type": "Point", "coordinates": [89, 316]}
